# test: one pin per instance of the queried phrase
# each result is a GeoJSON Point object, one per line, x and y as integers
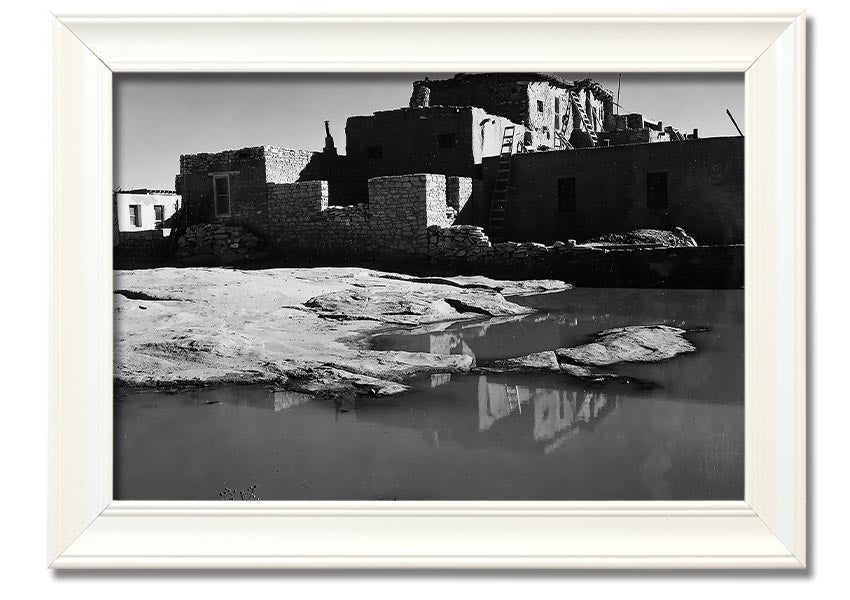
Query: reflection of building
{"type": "Point", "coordinates": [555, 410]}
{"type": "Point", "coordinates": [284, 399]}
{"type": "Point", "coordinates": [448, 342]}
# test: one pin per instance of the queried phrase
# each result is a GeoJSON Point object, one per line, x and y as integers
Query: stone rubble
{"type": "Point", "coordinates": [222, 241]}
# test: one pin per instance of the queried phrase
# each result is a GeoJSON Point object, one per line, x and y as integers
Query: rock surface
{"type": "Point", "coordinates": [628, 344]}
{"type": "Point", "coordinates": [538, 361]}
{"type": "Point", "coordinates": [297, 328]}
{"type": "Point", "coordinates": [639, 343]}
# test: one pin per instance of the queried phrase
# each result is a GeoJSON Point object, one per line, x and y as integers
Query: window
{"type": "Point", "coordinates": [540, 106]}
{"type": "Point", "coordinates": [567, 195]}
{"type": "Point", "coordinates": [221, 190]}
{"type": "Point", "coordinates": [158, 213]}
{"type": "Point", "coordinates": [656, 191]}
{"type": "Point", "coordinates": [557, 105]}
{"type": "Point", "coordinates": [375, 151]}
{"type": "Point", "coordinates": [136, 215]}
{"type": "Point", "coordinates": [446, 140]}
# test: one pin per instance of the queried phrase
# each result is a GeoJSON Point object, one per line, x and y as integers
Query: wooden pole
{"type": "Point", "coordinates": [734, 123]}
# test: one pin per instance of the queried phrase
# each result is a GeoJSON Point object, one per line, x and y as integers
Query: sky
{"type": "Point", "coordinates": [158, 117]}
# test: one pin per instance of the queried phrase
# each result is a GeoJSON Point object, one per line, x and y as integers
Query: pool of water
{"type": "Point", "coordinates": [680, 435]}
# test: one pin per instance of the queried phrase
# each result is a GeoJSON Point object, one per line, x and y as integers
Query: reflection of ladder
{"type": "Point", "coordinates": [588, 126]}
{"type": "Point", "coordinates": [512, 392]}
{"type": "Point", "coordinates": [499, 201]}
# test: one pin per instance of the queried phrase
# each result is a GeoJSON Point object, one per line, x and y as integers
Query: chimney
{"type": "Point", "coordinates": [329, 148]}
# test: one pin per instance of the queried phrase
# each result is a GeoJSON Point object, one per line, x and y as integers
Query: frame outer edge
{"type": "Point", "coordinates": [80, 430]}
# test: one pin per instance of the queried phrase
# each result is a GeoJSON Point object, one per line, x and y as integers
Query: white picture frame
{"type": "Point", "coordinates": [767, 530]}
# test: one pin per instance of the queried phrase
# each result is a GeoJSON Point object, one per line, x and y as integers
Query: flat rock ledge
{"type": "Point", "coordinates": [638, 343]}
{"type": "Point", "coordinates": [299, 329]}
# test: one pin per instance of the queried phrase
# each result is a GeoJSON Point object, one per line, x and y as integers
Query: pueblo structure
{"type": "Point", "coordinates": [484, 173]}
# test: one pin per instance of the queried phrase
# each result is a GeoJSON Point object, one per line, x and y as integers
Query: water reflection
{"type": "Point", "coordinates": [466, 437]}
{"type": "Point", "coordinates": [558, 413]}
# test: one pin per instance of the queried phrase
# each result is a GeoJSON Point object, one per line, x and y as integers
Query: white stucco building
{"type": "Point", "coordinates": [145, 210]}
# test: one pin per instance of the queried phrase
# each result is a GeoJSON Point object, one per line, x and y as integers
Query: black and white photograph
{"type": "Point", "coordinates": [428, 286]}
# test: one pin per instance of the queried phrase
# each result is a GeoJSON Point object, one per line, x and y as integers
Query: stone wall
{"type": "Point", "coordinates": [395, 222]}
{"type": "Point", "coordinates": [246, 169]}
{"type": "Point", "coordinates": [469, 244]}
{"type": "Point", "coordinates": [458, 192]}
{"type": "Point", "coordinates": [401, 208]}
{"type": "Point", "coordinates": [285, 165]}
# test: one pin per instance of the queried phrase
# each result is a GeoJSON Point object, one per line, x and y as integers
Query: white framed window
{"type": "Point", "coordinates": [158, 215]}
{"type": "Point", "coordinates": [136, 215]}
{"type": "Point", "coordinates": [221, 195]}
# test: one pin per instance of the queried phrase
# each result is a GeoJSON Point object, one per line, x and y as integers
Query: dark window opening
{"type": "Point", "coordinates": [221, 189]}
{"type": "Point", "coordinates": [375, 151]}
{"type": "Point", "coordinates": [136, 215]}
{"type": "Point", "coordinates": [656, 191]}
{"type": "Point", "coordinates": [158, 213]}
{"type": "Point", "coordinates": [446, 140]}
{"type": "Point", "coordinates": [567, 195]}
{"type": "Point", "coordinates": [557, 105]}
{"type": "Point", "coordinates": [540, 106]}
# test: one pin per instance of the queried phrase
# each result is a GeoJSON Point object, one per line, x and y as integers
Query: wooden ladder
{"type": "Point", "coordinates": [561, 142]}
{"type": "Point", "coordinates": [512, 393]}
{"type": "Point", "coordinates": [588, 126]}
{"type": "Point", "coordinates": [499, 201]}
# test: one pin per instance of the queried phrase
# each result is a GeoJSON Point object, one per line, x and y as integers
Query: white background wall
{"type": "Point", "coordinates": [24, 350]}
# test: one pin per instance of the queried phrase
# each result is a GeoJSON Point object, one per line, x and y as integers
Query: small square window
{"type": "Point", "coordinates": [158, 214]}
{"type": "Point", "coordinates": [540, 106]}
{"type": "Point", "coordinates": [446, 140]}
{"type": "Point", "coordinates": [656, 191]}
{"type": "Point", "coordinates": [375, 151]}
{"type": "Point", "coordinates": [567, 195]}
{"type": "Point", "coordinates": [136, 215]}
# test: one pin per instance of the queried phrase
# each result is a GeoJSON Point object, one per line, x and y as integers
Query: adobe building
{"type": "Point", "coordinates": [529, 158]}
{"type": "Point", "coordinates": [144, 209]}
{"type": "Point", "coordinates": [585, 193]}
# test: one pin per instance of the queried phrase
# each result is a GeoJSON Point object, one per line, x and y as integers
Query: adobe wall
{"type": "Point", "coordinates": [705, 188]}
{"type": "Point", "coordinates": [497, 94]}
{"type": "Point", "coordinates": [408, 139]}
